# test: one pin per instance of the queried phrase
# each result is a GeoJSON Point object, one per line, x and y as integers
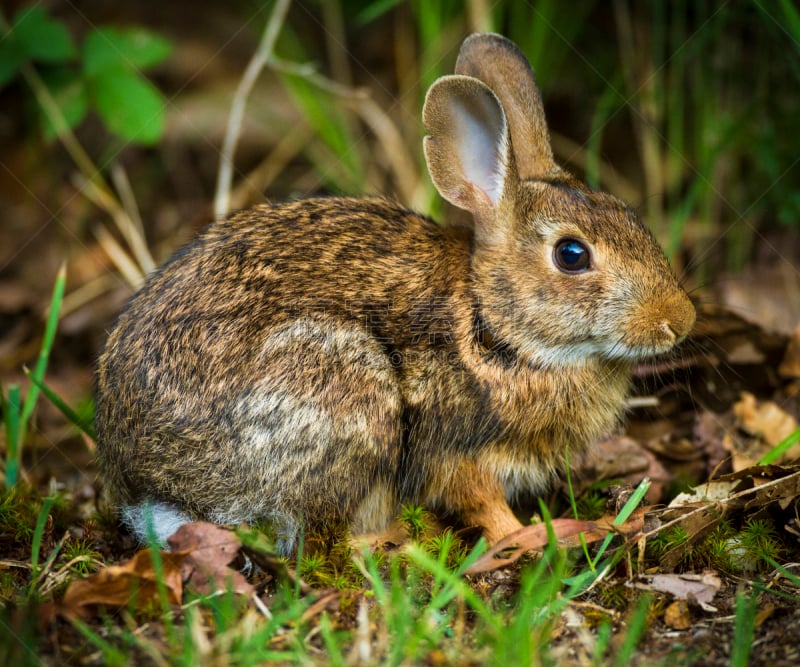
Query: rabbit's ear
{"type": "Point", "coordinates": [498, 62]}
{"type": "Point", "coordinates": [467, 148]}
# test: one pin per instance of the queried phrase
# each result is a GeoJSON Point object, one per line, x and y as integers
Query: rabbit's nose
{"type": "Point", "coordinates": [679, 319]}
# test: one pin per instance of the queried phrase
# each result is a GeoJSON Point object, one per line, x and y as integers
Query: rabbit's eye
{"type": "Point", "coordinates": [571, 256]}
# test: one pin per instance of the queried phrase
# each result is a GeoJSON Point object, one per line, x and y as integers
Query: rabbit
{"type": "Point", "coordinates": [321, 362]}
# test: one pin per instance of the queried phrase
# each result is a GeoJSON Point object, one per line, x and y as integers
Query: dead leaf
{"type": "Point", "coordinates": [677, 615]}
{"type": "Point", "coordinates": [716, 489]}
{"type": "Point", "coordinates": [700, 511]}
{"type": "Point", "coordinates": [708, 432]}
{"type": "Point", "coordinates": [121, 585]}
{"type": "Point", "coordinates": [620, 457]}
{"type": "Point", "coordinates": [697, 588]}
{"type": "Point", "coordinates": [765, 419]}
{"type": "Point", "coordinates": [527, 538]}
{"type": "Point", "coordinates": [534, 538]}
{"type": "Point", "coordinates": [764, 613]}
{"type": "Point", "coordinates": [790, 365]}
{"type": "Point", "coordinates": [208, 549]}
{"type": "Point", "coordinates": [763, 294]}
{"type": "Point", "coordinates": [329, 601]}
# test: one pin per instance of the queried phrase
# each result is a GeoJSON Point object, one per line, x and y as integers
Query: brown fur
{"type": "Point", "coordinates": [328, 359]}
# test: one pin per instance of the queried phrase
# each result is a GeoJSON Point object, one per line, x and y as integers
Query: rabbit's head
{"type": "Point", "coordinates": [561, 272]}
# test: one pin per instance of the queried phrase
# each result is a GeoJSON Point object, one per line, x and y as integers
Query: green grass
{"type": "Point", "coordinates": [16, 414]}
{"type": "Point", "coordinates": [744, 629]}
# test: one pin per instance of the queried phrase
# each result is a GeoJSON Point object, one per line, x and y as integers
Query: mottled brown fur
{"type": "Point", "coordinates": [325, 360]}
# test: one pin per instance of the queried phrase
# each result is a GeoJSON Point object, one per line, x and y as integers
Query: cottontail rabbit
{"type": "Point", "coordinates": [323, 361]}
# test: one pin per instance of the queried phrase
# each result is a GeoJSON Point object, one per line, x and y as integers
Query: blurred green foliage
{"type": "Point", "coordinates": [104, 75]}
{"type": "Point", "coordinates": [686, 108]}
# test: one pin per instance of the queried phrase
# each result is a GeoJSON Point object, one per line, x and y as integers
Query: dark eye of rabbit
{"type": "Point", "coordinates": [571, 256]}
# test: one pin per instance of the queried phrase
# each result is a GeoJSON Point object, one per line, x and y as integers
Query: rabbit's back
{"type": "Point", "coordinates": [254, 358]}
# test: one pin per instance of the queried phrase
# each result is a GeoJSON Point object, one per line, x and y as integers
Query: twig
{"type": "Point", "coordinates": [96, 189]}
{"type": "Point", "coordinates": [259, 60]}
{"type": "Point", "coordinates": [394, 147]}
{"type": "Point", "coordinates": [357, 99]}
{"type": "Point", "coordinates": [132, 227]}
{"type": "Point", "coordinates": [63, 132]}
{"type": "Point", "coordinates": [87, 292]}
{"type": "Point", "coordinates": [382, 126]}
{"type": "Point", "coordinates": [480, 16]}
{"type": "Point", "coordinates": [121, 259]}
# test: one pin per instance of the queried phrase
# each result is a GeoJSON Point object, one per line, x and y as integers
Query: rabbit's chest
{"type": "Point", "coordinates": [519, 414]}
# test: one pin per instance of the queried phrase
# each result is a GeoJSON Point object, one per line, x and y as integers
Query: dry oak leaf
{"type": "Point", "coordinates": [208, 549]}
{"type": "Point", "coordinates": [566, 531]}
{"type": "Point", "coordinates": [677, 615]}
{"type": "Point", "coordinates": [698, 588]}
{"type": "Point", "coordinates": [133, 582]}
{"type": "Point", "coordinates": [764, 419]}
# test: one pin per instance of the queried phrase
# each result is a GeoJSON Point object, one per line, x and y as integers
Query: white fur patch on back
{"type": "Point", "coordinates": [153, 519]}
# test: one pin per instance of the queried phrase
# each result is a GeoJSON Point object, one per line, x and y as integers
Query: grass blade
{"type": "Point", "coordinates": [624, 514]}
{"type": "Point", "coordinates": [38, 533]}
{"type": "Point", "coordinates": [72, 416]}
{"type": "Point", "coordinates": [744, 626]}
{"type": "Point", "coordinates": [11, 417]}
{"type": "Point", "coordinates": [636, 628]}
{"type": "Point", "coordinates": [781, 448]}
{"type": "Point", "coordinates": [44, 352]}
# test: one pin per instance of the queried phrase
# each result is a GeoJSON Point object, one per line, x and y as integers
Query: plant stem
{"type": "Point", "coordinates": [257, 63]}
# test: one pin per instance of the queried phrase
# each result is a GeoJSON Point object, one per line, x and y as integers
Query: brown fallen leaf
{"type": "Point", "coordinates": [527, 538]}
{"type": "Point", "coordinates": [329, 601]}
{"type": "Point", "coordinates": [677, 615]}
{"type": "Point", "coordinates": [567, 531]}
{"type": "Point", "coordinates": [208, 549]}
{"type": "Point", "coordinates": [121, 585]}
{"type": "Point", "coordinates": [790, 365]}
{"type": "Point", "coordinates": [622, 458]}
{"type": "Point", "coordinates": [708, 435]}
{"type": "Point", "coordinates": [767, 421]}
{"type": "Point", "coordinates": [696, 588]}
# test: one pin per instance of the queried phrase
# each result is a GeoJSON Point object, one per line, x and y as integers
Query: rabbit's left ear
{"type": "Point", "coordinates": [498, 62]}
{"type": "Point", "coordinates": [467, 148]}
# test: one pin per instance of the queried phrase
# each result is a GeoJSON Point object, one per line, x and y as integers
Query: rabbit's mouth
{"type": "Point", "coordinates": [579, 353]}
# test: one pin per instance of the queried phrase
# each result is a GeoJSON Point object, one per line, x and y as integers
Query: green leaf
{"type": "Point", "coordinates": [41, 38]}
{"type": "Point", "coordinates": [11, 59]}
{"type": "Point", "coordinates": [130, 106]}
{"type": "Point", "coordinates": [135, 48]}
{"type": "Point", "coordinates": [69, 91]}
